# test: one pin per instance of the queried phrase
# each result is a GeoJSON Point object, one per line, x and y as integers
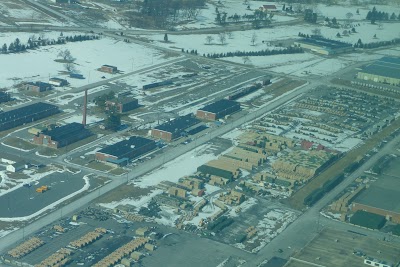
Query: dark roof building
{"type": "Point", "coordinates": [4, 97]}
{"type": "Point", "coordinates": [175, 128]}
{"type": "Point", "coordinates": [37, 87]}
{"type": "Point", "coordinates": [218, 110]}
{"type": "Point", "coordinates": [324, 46]}
{"type": "Point", "coordinates": [122, 104]}
{"type": "Point", "coordinates": [120, 153]}
{"type": "Point", "coordinates": [109, 69]}
{"type": "Point", "coordinates": [62, 136]}
{"type": "Point", "coordinates": [26, 114]}
{"type": "Point", "coordinates": [385, 70]}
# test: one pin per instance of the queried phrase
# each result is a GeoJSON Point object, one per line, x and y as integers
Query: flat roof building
{"type": "Point", "coordinates": [120, 153]}
{"type": "Point", "coordinates": [109, 69]}
{"type": "Point", "coordinates": [324, 46]}
{"type": "Point", "coordinates": [62, 136]}
{"type": "Point", "coordinates": [382, 198]}
{"type": "Point", "coordinates": [4, 97]}
{"type": "Point", "coordinates": [26, 114]}
{"type": "Point", "coordinates": [385, 70]}
{"type": "Point", "coordinates": [174, 128]}
{"type": "Point", "coordinates": [38, 87]}
{"type": "Point", "coordinates": [58, 82]}
{"type": "Point", "coordinates": [218, 110]}
{"type": "Point", "coordinates": [122, 104]}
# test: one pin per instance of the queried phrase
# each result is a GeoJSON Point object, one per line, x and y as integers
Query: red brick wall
{"type": "Point", "coordinates": [103, 157]}
{"type": "Point", "coordinates": [395, 216]}
{"type": "Point", "coordinates": [205, 115]}
{"type": "Point", "coordinates": [161, 134]}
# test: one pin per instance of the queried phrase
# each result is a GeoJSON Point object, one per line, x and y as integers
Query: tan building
{"type": "Point", "coordinates": [385, 70]}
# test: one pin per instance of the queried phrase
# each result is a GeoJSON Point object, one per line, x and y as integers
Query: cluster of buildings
{"type": "Point", "coordinates": [39, 87]}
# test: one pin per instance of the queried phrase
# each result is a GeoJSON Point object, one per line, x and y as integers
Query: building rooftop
{"type": "Point", "coordinates": [123, 100]}
{"type": "Point", "coordinates": [179, 124]}
{"type": "Point", "coordinates": [66, 132]}
{"type": "Point", "coordinates": [124, 147]}
{"type": "Point", "coordinates": [383, 194]}
{"type": "Point", "coordinates": [386, 66]}
{"type": "Point", "coordinates": [331, 44]}
{"type": "Point", "coordinates": [109, 66]}
{"type": "Point", "coordinates": [220, 105]}
{"type": "Point", "coordinates": [25, 111]}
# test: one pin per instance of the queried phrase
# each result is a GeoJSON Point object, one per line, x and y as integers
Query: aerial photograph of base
{"type": "Point", "coordinates": [200, 133]}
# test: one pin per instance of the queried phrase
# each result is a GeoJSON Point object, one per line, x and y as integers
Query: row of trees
{"type": "Point", "coordinates": [33, 42]}
{"type": "Point", "coordinates": [266, 52]}
{"type": "Point", "coordinates": [258, 18]}
{"type": "Point", "coordinates": [376, 15]}
{"type": "Point", "coordinates": [360, 44]}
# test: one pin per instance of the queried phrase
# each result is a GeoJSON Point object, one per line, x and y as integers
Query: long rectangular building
{"type": "Point", "coordinates": [4, 97]}
{"type": "Point", "coordinates": [324, 46]}
{"type": "Point", "coordinates": [385, 70]}
{"type": "Point", "coordinates": [26, 114]}
{"type": "Point", "coordinates": [175, 128]}
{"type": "Point", "coordinates": [120, 153]}
{"type": "Point", "coordinates": [62, 136]}
{"type": "Point", "coordinates": [218, 110]}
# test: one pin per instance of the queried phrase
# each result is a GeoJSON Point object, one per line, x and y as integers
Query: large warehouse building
{"type": "Point", "coordinates": [381, 198]}
{"type": "Point", "coordinates": [385, 70]}
{"type": "Point", "coordinates": [218, 110]}
{"type": "Point", "coordinates": [324, 46]}
{"type": "Point", "coordinates": [62, 136]}
{"type": "Point", "coordinates": [120, 153]}
{"type": "Point", "coordinates": [4, 97]}
{"type": "Point", "coordinates": [27, 114]}
{"type": "Point", "coordinates": [175, 128]}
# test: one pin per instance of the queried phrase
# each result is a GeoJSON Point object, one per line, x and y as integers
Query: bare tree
{"type": "Point", "coordinates": [230, 35]}
{"type": "Point", "coordinates": [222, 37]}
{"type": "Point", "coordinates": [316, 32]}
{"type": "Point", "coordinates": [66, 55]}
{"type": "Point", "coordinates": [253, 38]}
{"type": "Point", "coordinates": [209, 39]}
{"type": "Point", "coordinates": [349, 15]}
{"type": "Point", "coordinates": [246, 60]}
{"type": "Point", "coordinates": [70, 67]}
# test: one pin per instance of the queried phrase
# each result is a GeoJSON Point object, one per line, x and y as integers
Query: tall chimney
{"type": "Point", "coordinates": [84, 108]}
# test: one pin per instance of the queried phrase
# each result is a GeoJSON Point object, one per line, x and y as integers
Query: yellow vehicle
{"type": "Point", "coordinates": [42, 189]}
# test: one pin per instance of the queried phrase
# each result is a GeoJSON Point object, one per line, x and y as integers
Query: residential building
{"type": "Point", "coordinates": [269, 8]}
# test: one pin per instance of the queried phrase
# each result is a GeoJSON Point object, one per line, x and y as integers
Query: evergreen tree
{"type": "Point", "coordinates": [4, 48]}
{"type": "Point", "coordinates": [165, 37]}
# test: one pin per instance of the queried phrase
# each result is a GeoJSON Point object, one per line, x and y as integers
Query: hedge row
{"type": "Point", "coordinates": [318, 193]}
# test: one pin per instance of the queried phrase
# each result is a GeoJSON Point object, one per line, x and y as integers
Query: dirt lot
{"type": "Point", "coordinates": [335, 249]}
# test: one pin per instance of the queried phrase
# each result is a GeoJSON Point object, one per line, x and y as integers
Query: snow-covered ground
{"type": "Point", "coordinates": [90, 55]}
{"type": "Point", "coordinates": [136, 202]}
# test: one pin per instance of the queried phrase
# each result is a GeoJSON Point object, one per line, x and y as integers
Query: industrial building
{"type": "Point", "coordinates": [380, 198]}
{"type": "Point", "coordinates": [109, 69]}
{"type": "Point", "coordinates": [324, 46]}
{"type": "Point", "coordinates": [175, 128]}
{"type": "Point", "coordinates": [26, 114]}
{"type": "Point", "coordinates": [62, 136]}
{"type": "Point", "coordinates": [121, 105]}
{"type": "Point", "coordinates": [58, 82]}
{"type": "Point", "coordinates": [385, 70]}
{"type": "Point", "coordinates": [218, 110]}
{"type": "Point", "coordinates": [38, 87]}
{"type": "Point", "coordinates": [4, 97]}
{"type": "Point", "coordinates": [120, 153]}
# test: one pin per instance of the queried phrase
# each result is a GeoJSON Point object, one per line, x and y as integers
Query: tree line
{"type": "Point", "coordinates": [33, 42]}
{"type": "Point", "coordinates": [375, 15]}
{"type": "Point", "coordinates": [265, 52]}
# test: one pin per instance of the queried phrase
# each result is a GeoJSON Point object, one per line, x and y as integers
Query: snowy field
{"type": "Point", "coordinates": [90, 55]}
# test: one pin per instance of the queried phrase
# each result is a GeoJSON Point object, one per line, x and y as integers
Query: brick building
{"type": "Point", "coordinates": [109, 69]}
{"type": "Point", "coordinates": [122, 104]}
{"type": "Point", "coordinates": [62, 136]}
{"type": "Point", "coordinates": [175, 128]}
{"type": "Point", "coordinates": [37, 87]}
{"type": "Point", "coordinates": [218, 110]}
{"type": "Point", "coordinates": [122, 152]}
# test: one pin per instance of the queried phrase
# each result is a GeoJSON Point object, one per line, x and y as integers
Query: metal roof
{"type": "Point", "coordinates": [179, 124]}
{"type": "Point", "coordinates": [125, 147]}
{"type": "Point", "coordinates": [68, 132]}
{"type": "Point", "coordinates": [386, 67]}
{"type": "Point", "coordinates": [322, 42]}
{"type": "Point", "coordinates": [219, 106]}
{"type": "Point", "coordinates": [25, 111]}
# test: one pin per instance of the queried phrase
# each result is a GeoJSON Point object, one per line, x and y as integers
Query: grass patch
{"type": "Point", "coordinates": [117, 171]}
{"type": "Point", "coordinates": [368, 220]}
{"type": "Point", "coordinates": [297, 200]}
{"type": "Point", "coordinates": [99, 166]}
{"type": "Point", "coordinates": [19, 143]}
{"type": "Point", "coordinates": [123, 192]}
